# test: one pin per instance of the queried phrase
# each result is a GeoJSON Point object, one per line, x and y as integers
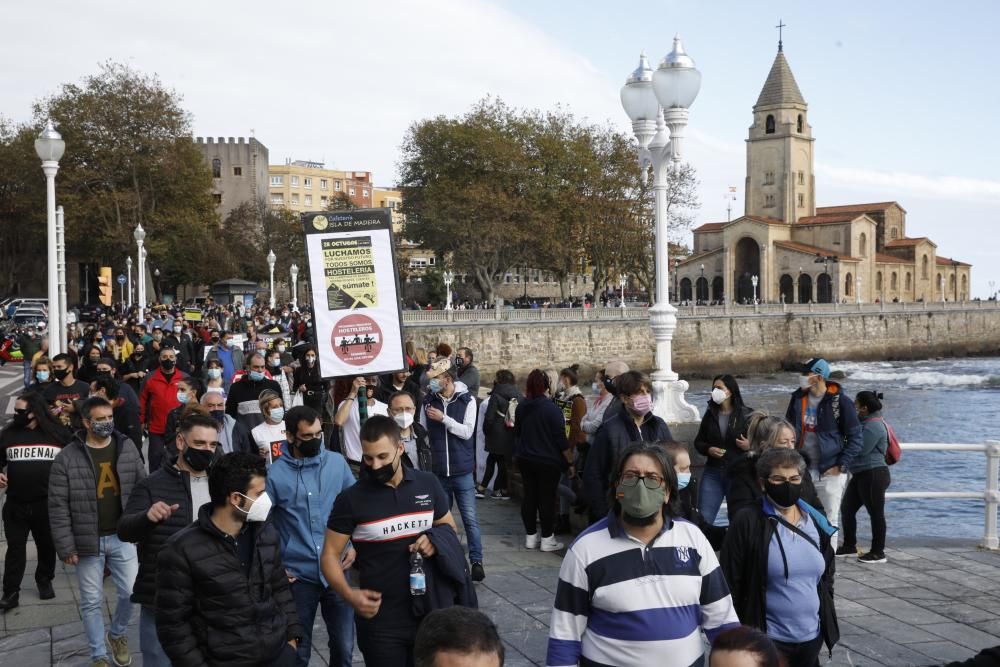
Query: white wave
{"type": "Point", "coordinates": [920, 378]}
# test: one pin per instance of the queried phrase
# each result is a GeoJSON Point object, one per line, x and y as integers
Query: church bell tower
{"type": "Point", "coordinates": [780, 182]}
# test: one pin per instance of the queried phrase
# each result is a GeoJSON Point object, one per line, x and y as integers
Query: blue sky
{"type": "Point", "coordinates": [902, 95]}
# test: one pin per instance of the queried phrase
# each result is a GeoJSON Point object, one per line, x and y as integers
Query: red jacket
{"type": "Point", "coordinates": [157, 398]}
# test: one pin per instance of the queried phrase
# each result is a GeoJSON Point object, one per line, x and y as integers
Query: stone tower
{"type": "Point", "coordinates": [780, 181]}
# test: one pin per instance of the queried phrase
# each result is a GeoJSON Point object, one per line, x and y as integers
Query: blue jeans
{"type": "Point", "coordinates": [462, 488]}
{"type": "Point", "coordinates": [714, 487]}
{"type": "Point", "coordinates": [152, 651]}
{"type": "Point", "coordinates": [337, 614]}
{"type": "Point", "coordinates": [120, 557]}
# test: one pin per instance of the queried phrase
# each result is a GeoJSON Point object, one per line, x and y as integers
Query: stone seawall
{"type": "Point", "coordinates": [706, 345]}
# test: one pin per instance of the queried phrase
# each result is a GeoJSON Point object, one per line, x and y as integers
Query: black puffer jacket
{"type": "Point", "coordinates": [208, 612]}
{"type": "Point", "coordinates": [169, 485]}
{"type": "Point", "coordinates": [500, 438]}
{"type": "Point", "coordinates": [710, 435]}
{"type": "Point", "coordinates": [73, 493]}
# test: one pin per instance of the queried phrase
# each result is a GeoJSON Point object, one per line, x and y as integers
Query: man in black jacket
{"type": "Point", "coordinates": [243, 402]}
{"type": "Point", "coordinates": [161, 505]}
{"type": "Point", "coordinates": [222, 597]}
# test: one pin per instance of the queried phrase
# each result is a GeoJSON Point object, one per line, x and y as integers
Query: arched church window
{"type": "Point", "coordinates": [798, 124]}
{"type": "Point", "coordinates": [878, 281]}
{"type": "Point", "coordinates": [216, 168]}
{"type": "Point", "coordinates": [909, 281]}
{"type": "Point", "coordinates": [894, 282]}
{"type": "Point", "coordinates": [769, 124]}
{"type": "Point", "coordinates": [863, 245]}
{"type": "Point", "coordinates": [848, 285]}
{"type": "Point", "coordinates": [802, 200]}
{"type": "Point", "coordinates": [923, 267]}
{"type": "Point", "coordinates": [893, 233]}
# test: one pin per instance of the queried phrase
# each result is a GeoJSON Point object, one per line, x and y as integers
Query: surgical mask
{"type": "Point", "coordinates": [404, 419]}
{"type": "Point", "coordinates": [435, 385]}
{"type": "Point", "coordinates": [275, 362]}
{"type": "Point", "coordinates": [281, 348]}
{"type": "Point", "coordinates": [182, 397]}
{"type": "Point", "coordinates": [683, 479]}
{"type": "Point", "coordinates": [277, 414]}
{"type": "Point", "coordinates": [42, 376]}
{"type": "Point", "coordinates": [804, 382]}
{"type": "Point", "coordinates": [259, 509]}
{"type": "Point", "coordinates": [719, 396]}
{"type": "Point", "coordinates": [310, 360]}
{"type": "Point", "coordinates": [214, 373]}
{"type": "Point", "coordinates": [309, 448]}
{"type": "Point", "coordinates": [783, 495]}
{"type": "Point", "coordinates": [198, 459]}
{"type": "Point", "coordinates": [639, 502]}
{"type": "Point", "coordinates": [256, 376]}
{"type": "Point", "coordinates": [380, 475]}
{"type": "Point", "coordinates": [595, 387]}
{"type": "Point", "coordinates": [102, 429]}
{"type": "Point", "coordinates": [218, 415]}
{"type": "Point", "coordinates": [642, 404]}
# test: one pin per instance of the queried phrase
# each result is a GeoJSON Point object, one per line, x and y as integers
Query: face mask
{"type": "Point", "coordinates": [277, 414]}
{"type": "Point", "coordinates": [177, 330]}
{"type": "Point", "coordinates": [215, 339]}
{"type": "Point", "coordinates": [120, 338]}
{"type": "Point", "coordinates": [20, 419]}
{"type": "Point", "coordinates": [42, 376]}
{"type": "Point", "coordinates": [309, 448]}
{"type": "Point", "coordinates": [404, 419]}
{"type": "Point", "coordinates": [381, 475]}
{"type": "Point", "coordinates": [259, 508]}
{"type": "Point", "coordinates": [102, 429]}
{"type": "Point", "coordinates": [167, 364]}
{"type": "Point", "coordinates": [595, 387]}
{"type": "Point", "coordinates": [639, 502]}
{"type": "Point", "coordinates": [256, 376]}
{"type": "Point", "coordinates": [157, 337]}
{"type": "Point", "coordinates": [310, 360]}
{"type": "Point", "coordinates": [683, 479]}
{"type": "Point", "coordinates": [60, 373]}
{"type": "Point", "coordinates": [783, 495]}
{"type": "Point", "coordinates": [609, 384]}
{"type": "Point", "coordinates": [214, 373]}
{"type": "Point", "coordinates": [281, 348]}
{"type": "Point", "coordinates": [139, 355]}
{"type": "Point", "coordinates": [459, 362]}
{"type": "Point", "coordinates": [182, 397]}
{"type": "Point", "coordinates": [99, 343]}
{"type": "Point", "coordinates": [218, 415]}
{"type": "Point", "coordinates": [198, 459]}
{"type": "Point", "coordinates": [804, 382]}
{"type": "Point", "coordinates": [434, 385]}
{"type": "Point", "coordinates": [275, 363]}
{"type": "Point", "coordinates": [719, 396]}
{"type": "Point", "coordinates": [642, 404]}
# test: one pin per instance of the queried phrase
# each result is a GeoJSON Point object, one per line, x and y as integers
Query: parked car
{"type": "Point", "coordinates": [11, 307]}
{"type": "Point", "coordinates": [29, 315]}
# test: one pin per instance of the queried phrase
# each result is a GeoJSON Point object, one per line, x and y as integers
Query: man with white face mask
{"type": "Point", "coordinates": [222, 592]}
{"type": "Point", "coordinates": [416, 444]}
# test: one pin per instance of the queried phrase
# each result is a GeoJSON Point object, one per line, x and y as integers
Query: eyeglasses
{"type": "Point", "coordinates": [794, 479]}
{"type": "Point", "coordinates": [650, 481]}
{"type": "Point", "coordinates": [21, 411]}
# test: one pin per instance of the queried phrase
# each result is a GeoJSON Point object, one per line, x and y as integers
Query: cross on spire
{"type": "Point", "coordinates": [781, 24]}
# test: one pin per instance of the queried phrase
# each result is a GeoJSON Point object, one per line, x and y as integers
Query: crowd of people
{"type": "Point", "coordinates": [233, 495]}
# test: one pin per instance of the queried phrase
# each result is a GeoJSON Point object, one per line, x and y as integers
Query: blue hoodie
{"type": "Point", "coordinates": [303, 492]}
{"type": "Point", "coordinates": [839, 440]}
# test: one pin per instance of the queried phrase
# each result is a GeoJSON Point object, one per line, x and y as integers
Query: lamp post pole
{"type": "Point", "coordinates": [701, 267]}
{"type": "Point", "coordinates": [128, 265]}
{"type": "Point", "coordinates": [158, 293]}
{"type": "Point", "coordinates": [294, 270]}
{"type": "Point", "coordinates": [449, 277]}
{"type": "Point", "coordinates": [655, 101]}
{"type": "Point", "coordinates": [622, 281]}
{"type": "Point", "coordinates": [754, 279]}
{"type": "Point", "coordinates": [61, 263]}
{"type": "Point", "coordinates": [857, 289]}
{"type": "Point", "coordinates": [270, 264]}
{"type": "Point", "coordinates": [140, 236]}
{"type": "Point", "coordinates": [49, 147]}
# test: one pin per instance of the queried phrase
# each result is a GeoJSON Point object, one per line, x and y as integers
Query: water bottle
{"type": "Point", "coordinates": [418, 582]}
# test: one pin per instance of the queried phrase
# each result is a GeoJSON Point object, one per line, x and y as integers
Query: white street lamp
{"type": "Point", "coordinates": [754, 279]}
{"type": "Point", "coordinates": [128, 265]}
{"type": "Point", "coordinates": [622, 281]}
{"type": "Point", "coordinates": [270, 263]}
{"type": "Point", "coordinates": [655, 102]}
{"type": "Point", "coordinates": [857, 289]}
{"type": "Point", "coordinates": [294, 270]}
{"type": "Point", "coordinates": [140, 236]}
{"type": "Point", "coordinates": [61, 263]}
{"type": "Point", "coordinates": [50, 147]}
{"type": "Point", "coordinates": [449, 278]}
{"type": "Point", "coordinates": [157, 290]}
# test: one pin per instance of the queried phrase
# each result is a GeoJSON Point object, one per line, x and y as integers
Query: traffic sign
{"type": "Point", "coordinates": [121, 279]}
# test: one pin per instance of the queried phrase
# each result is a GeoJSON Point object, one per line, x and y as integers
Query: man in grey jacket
{"type": "Point", "coordinates": [89, 484]}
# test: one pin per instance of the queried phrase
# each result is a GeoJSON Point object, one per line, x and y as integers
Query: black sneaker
{"type": "Point", "coordinates": [45, 590]}
{"type": "Point", "coordinates": [870, 558]}
{"type": "Point", "coordinates": [500, 495]}
{"type": "Point", "coordinates": [478, 573]}
{"type": "Point", "coordinates": [480, 492]}
{"type": "Point", "coordinates": [846, 551]}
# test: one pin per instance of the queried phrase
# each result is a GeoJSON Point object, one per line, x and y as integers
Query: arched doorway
{"type": "Point", "coordinates": [824, 289]}
{"type": "Point", "coordinates": [701, 289]}
{"type": "Point", "coordinates": [747, 266]}
{"type": "Point", "coordinates": [805, 288]}
{"type": "Point", "coordinates": [787, 289]}
{"type": "Point", "coordinates": [686, 289]}
{"type": "Point", "coordinates": [849, 285]}
{"type": "Point", "coordinates": [718, 289]}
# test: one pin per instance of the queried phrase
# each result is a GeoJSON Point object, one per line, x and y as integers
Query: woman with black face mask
{"type": "Point", "coordinates": [778, 560]}
{"type": "Point", "coordinates": [28, 445]}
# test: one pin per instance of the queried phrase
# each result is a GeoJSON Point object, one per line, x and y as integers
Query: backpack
{"type": "Point", "coordinates": [508, 418]}
{"type": "Point", "coordinates": [893, 452]}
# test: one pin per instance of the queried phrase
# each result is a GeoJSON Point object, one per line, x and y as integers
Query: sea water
{"type": "Point", "coordinates": [946, 401]}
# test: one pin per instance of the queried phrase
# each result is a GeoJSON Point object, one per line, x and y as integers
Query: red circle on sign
{"type": "Point", "coordinates": [356, 339]}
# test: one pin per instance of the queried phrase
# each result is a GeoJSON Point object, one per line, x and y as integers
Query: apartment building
{"type": "Point", "coordinates": [302, 185]}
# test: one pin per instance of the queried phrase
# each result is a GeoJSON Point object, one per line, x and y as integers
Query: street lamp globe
{"type": "Point", "coordinates": [271, 258]}
{"type": "Point", "coordinates": [156, 273]}
{"type": "Point", "coordinates": [50, 145]}
{"type": "Point", "coordinates": [128, 263]}
{"type": "Point", "coordinates": [140, 234]}
{"type": "Point", "coordinates": [677, 81]}
{"type": "Point", "coordinates": [639, 101]}
{"type": "Point", "coordinates": [294, 269]}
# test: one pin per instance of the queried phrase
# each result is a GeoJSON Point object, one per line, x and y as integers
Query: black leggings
{"type": "Point", "coordinates": [500, 462]}
{"type": "Point", "coordinates": [866, 488]}
{"type": "Point", "coordinates": [540, 483]}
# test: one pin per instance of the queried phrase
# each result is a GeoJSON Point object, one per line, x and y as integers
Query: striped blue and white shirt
{"type": "Point", "coordinates": [622, 602]}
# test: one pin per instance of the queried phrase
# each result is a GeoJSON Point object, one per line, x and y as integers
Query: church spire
{"type": "Point", "coordinates": [780, 88]}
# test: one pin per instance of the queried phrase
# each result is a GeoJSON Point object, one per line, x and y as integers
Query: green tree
{"type": "Point", "coordinates": [341, 202]}
{"type": "Point", "coordinates": [22, 208]}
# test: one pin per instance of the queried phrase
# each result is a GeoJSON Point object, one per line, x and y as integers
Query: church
{"type": "Point", "coordinates": [785, 249]}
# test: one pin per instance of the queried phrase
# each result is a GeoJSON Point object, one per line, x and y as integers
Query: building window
{"type": "Point", "coordinates": [277, 180]}
{"type": "Point", "coordinates": [863, 245]}
{"type": "Point", "coordinates": [295, 197]}
{"type": "Point", "coordinates": [216, 168]}
{"type": "Point", "coordinates": [336, 186]}
{"type": "Point", "coordinates": [295, 181]}
{"type": "Point", "coordinates": [277, 199]}
{"type": "Point", "coordinates": [768, 201]}
{"type": "Point", "coordinates": [351, 192]}
{"type": "Point", "coordinates": [324, 184]}
{"type": "Point", "coordinates": [798, 124]}
{"type": "Point", "coordinates": [802, 178]}
{"type": "Point", "coordinates": [802, 200]}
{"type": "Point", "coordinates": [309, 200]}
{"type": "Point", "coordinates": [217, 198]}
{"type": "Point", "coordinates": [894, 282]}
{"type": "Point", "coordinates": [432, 261]}
{"type": "Point", "coordinates": [837, 237]}
{"type": "Point", "coordinates": [324, 201]}
{"type": "Point", "coordinates": [909, 281]}
{"type": "Point", "coordinates": [893, 233]}
{"type": "Point", "coordinates": [769, 124]}
{"type": "Point", "coordinates": [237, 171]}
{"type": "Point", "coordinates": [923, 268]}
{"type": "Point", "coordinates": [878, 281]}
{"type": "Point", "coordinates": [364, 193]}
{"type": "Point", "coordinates": [307, 182]}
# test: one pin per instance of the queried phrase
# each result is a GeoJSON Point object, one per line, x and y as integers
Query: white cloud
{"type": "Point", "coordinates": [897, 184]}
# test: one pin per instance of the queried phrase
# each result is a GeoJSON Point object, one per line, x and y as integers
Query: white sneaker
{"type": "Point", "coordinates": [551, 543]}
{"type": "Point", "coordinates": [531, 541]}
